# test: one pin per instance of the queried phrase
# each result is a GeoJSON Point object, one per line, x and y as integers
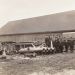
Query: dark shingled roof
{"type": "Point", "coordinates": [63, 21]}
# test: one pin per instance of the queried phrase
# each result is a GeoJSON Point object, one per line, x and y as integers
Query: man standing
{"type": "Point", "coordinates": [66, 45]}
{"type": "Point", "coordinates": [56, 45]}
{"type": "Point", "coordinates": [48, 41]}
{"type": "Point", "coordinates": [61, 45]}
{"type": "Point", "coordinates": [72, 46]}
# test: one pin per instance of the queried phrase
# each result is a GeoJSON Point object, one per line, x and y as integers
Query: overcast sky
{"type": "Point", "coordinates": [20, 9]}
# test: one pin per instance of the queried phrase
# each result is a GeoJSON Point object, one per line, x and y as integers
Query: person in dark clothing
{"type": "Point", "coordinates": [56, 45]}
{"type": "Point", "coordinates": [66, 45]}
{"type": "Point", "coordinates": [71, 46]}
{"type": "Point", "coordinates": [61, 46]}
{"type": "Point", "coordinates": [48, 41]}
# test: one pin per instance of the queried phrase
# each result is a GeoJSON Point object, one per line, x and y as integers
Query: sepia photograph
{"type": "Point", "coordinates": [37, 37]}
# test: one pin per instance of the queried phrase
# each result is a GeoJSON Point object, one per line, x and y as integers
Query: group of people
{"type": "Point", "coordinates": [61, 45]}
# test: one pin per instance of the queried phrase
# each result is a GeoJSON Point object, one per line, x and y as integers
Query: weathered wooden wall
{"type": "Point", "coordinates": [28, 37]}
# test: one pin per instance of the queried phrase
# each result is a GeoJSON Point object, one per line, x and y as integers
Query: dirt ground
{"type": "Point", "coordinates": [56, 64]}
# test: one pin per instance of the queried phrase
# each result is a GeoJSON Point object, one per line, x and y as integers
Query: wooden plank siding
{"type": "Point", "coordinates": [28, 37]}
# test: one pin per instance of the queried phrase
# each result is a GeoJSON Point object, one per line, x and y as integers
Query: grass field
{"type": "Point", "coordinates": [55, 64]}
